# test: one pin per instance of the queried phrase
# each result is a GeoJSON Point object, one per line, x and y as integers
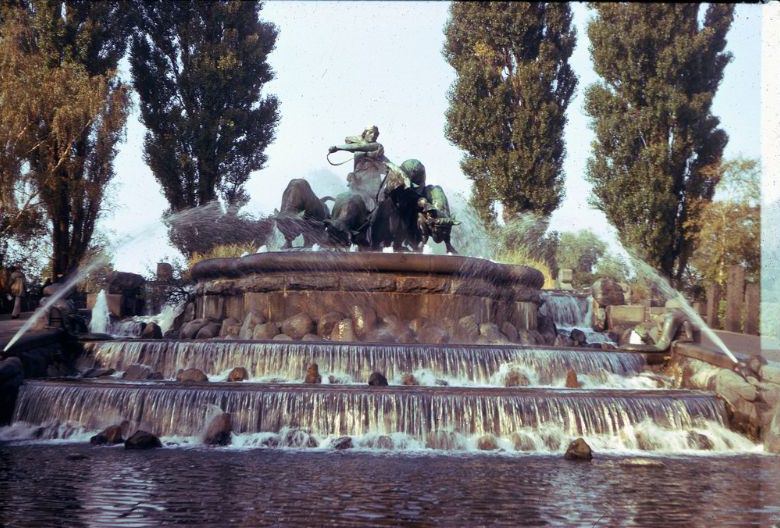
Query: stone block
{"type": "Point", "coordinates": [625, 315]}
{"type": "Point", "coordinates": [213, 307]}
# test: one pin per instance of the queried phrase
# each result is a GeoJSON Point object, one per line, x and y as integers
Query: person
{"type": "Point", "coordinates": [18, 288]}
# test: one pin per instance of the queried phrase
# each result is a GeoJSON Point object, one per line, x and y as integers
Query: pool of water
{"type": "Point", "coordinates": [80, 485]}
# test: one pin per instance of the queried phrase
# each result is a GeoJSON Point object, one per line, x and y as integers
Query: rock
{"type": "Point", "coordinates": [417, 324]}
{"type": "Point", "coordinates": [755, 363]}
{"type": "Point", "coordinates": [265, 331]}
{"type": "Point", "coordinates": [441, 383]}
{"type": "Point", "coordinates": [509, 330]}
{"type": "Point", "coordinates": [238, 374]}
{"type": "Point", "coordinates": [298, 438]}
{"type": "Point", "coordinates": [137, 372]}
{"type": "Point", "coordinates": [516, 378]}
{"type": "Point", "coordinates": [446, 440]}
{"type": "Point", "coordinates": [219, 430]}
{"type": "Point", "coordinates": [523, 442]}
{"type": "Point", "coordinates": [409, 379]}
{"type": "Point", "coordinates": [491, 332]}
{"type": "Point", "coordinates": [298, 326]}
{"type": "Point", "coordinates": [563, 341]}
{"type": "Point", "coordinates": [343, 331]}
{"type": "Point", "coordinates": [156, 376]}
{"type": "Point", "coordinates": [732, 387]}
{"type": "Point", "coordinates": [578, 336]}
{"type": "Point", "coordinates": [467, 330]}
{"type": "Point", "coordinates": [230, 328]}
{"type": "Point", "coordinates": [342, 442]}
{"type": "Point", "coordinates": [282, 337]}
{"type": "Point", "coordinates": [271, 441]}
{"type": "Point", "coordinates": [109, 436]}
{"type": "Point", "coordinates": [142, 440]}
{"type": "Point", "coordinates": [327, 322]}
{"type": "Point", "coordinates": [524, 337]}
{"type": "Point", "coordinates": [571, 380]}
{"type": "Point", "coordinates": [433, 334]}
{"type": "Point", "coordinates": [487, 443]}
{"type": "Point", "coordinates": [209, 331]}
{"type": "Point", "coordinates": [700, 441]}
{"type": "Point", "coordinates": [546, 326]}
{"type": "Point", "coordinates": [311, 337]}
{"type": "Point", "coordinates": [771, 373]}
{"type": "Point", "coordinates": [122, 281]}
{"type": "Point", "coordinates": [363, 320]}
{"type": "Point", "coordinates": [151, 331]}
{"type": "Point", "coordinates": [191, 329]}
{"type": "Point", "coordinates": [383, 442]}
{"type": "Point", "coordinates": [607, 292]}
{"type": "Point", "coordinates": [377, 380]}
{"type": "Point", "coordinates": [251, 320]}
{"type": "Point", "coordinates": [98, 372]}
{"type": "Point", "coordinates": [191, 375]}
{"type": "Point", "coordinates": [579, 449]}
{"type": "Point", "coordinates": [313, 374]}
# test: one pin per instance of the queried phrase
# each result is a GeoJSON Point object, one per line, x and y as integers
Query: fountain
{"type": "Point", "coordinates": [330, 349]}
{"type": "Point", "coordinates": [101, 319]}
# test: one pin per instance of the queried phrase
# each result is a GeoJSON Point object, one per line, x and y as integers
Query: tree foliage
{"type": "Point", "coordinates": [657, 143]}
{"type": "Point", "coordinates": [63, 111]}
{"type": "Point", "coordinates": [199, 68]}
{"type": "Point", "coordinates": [508, 103]}
{"type": "Point", "coordinates": [729, 228]}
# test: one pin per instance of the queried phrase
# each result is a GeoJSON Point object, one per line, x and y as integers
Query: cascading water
{"type": "Point", "coordinates": [455, 364]}
{"type": "Point", "coordinates": [569, 311]}
{"type": "Point", "coordinates": [101, 318]}
{"type": "Point", "coordinates": [439, 418]}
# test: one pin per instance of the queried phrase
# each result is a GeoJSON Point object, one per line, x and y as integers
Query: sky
{"type": "Point", "coordinates": [341, 66]}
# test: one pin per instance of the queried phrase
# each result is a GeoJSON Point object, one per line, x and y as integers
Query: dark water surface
{"type": "Point", "coordinates": [78, 485]}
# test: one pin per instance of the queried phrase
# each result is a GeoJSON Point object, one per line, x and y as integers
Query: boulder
{"type": "Point", "coordinates": [382, 442]}
{"type": "Point", "coordinates": [98, 372]}
{"type": "Point", "coordinates": [363, 319]}
{"type": "Point", "coordinates": [282, 337]}
{"type": "Point", "coordinates": [571, 379]}
{"type": "Point", "coordinates": [732, 387]}
{"type": "Point", "coordinates": [110, 435]}
{"type": "Point", "coordinates": [487, 443]}
{"type": "Point", "coordinates": [467, 330]}
{"type": "Point", "coordinates": [446, 440]}
{"type": "Point", "coordinates": [311, 337]}
{"type": "Point", "coordinates": [265, 331]}
{"type": "Point", "coordinates": [516, 378]}
{"type": "Point", "coordinates": [142, 440]}
{"type": "Point", "coordinates": [492, 333]}
{"type": "Point", "coordinates": [251, 320]}
{"type": "Point", "coordinates": [219, 430]}
{"type": "Point", "coordinates": [230, 328]}
{"type": "Point", "coordinates": [298, 326]}
{"type": "Point", "coordinates": [525, 337]}
{"type": "Point", "coordinates": [209, 331]}
{"type": "Point", "coordinates": [298, 438]}
{"type": "Point", "coordinates": [563, 341]}
{"type": "Point", "coordinates": [510, 331]}
{"type": "Point", "coordinates": [579, 338]}
{"type": "Point", "coordinates": [377, 380]}
{"type": "Point", "coordinates": [238, 374]}
{"type": "Point", "coordinates": [152, 331]}
{"type": "Point", "coordinates": [755, 363]}
{"type": "Point", "coordinates": [137, 372]}
{"type": "Point", "coordinates": [327, 322]}
{"type": "Point", "coordinates": [342, 442]}
{"type": "Point", "coordinates": [123, 282]}
{"type": "Point", "coordinates": [343, 331]}
{"type": "Point", "coordinates": [523, 442]}
{"type": "Point", "coordinates": [191, 375]}
{"type": "Point", "coordinates": [433, 334]}
{"type": "Point", "coordinates": [313, 374]}
{"type": "Point", "coordinates": [191, 329]}
{"type": "Point", "coordinates": [546, 327]}
{"type": "Point", "coordinates": [700, 441]}
{"type": "Point", "coordinates": [607, 292]}
{"type": "Point", "coordinates": [579, 449]}
{"type": "Point", "coordinates": [409, 379]}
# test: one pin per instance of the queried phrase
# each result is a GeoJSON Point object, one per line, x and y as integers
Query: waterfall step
{"type": "Point", "coordinates": [424, 414]}
{"type": "Point", "coordinates": [472, 364]}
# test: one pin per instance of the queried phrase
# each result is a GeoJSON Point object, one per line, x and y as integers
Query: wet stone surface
{"type": "Point", "coordinates": [44, 484]}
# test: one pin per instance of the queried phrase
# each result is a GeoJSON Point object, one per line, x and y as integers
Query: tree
{"type": "Point", "coordinates": [199, 68]}
{"type": "Point", "coordinates": [657, 143]}
{"type": "Point", "coordinates": [63, 110]}
{"type": "Point", "coordinates": [580, 252]}
{"type": "Point", "coordinates": [729, 228]}
{"type": "Point", "coordinates": [508, 103]}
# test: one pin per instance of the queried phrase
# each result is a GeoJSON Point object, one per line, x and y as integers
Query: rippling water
{"type": "Point", "coordinates": [45, 485]}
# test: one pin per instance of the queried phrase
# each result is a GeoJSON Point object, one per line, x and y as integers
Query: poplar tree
{"type": "Point", "coordinates": [199, 68]}
{"type": "Point", "coordinates": [508, 103]}
{"type": "Point", "coordinates": [657, 150]}
{"type": "Point", "coordinates": [63, 110]}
